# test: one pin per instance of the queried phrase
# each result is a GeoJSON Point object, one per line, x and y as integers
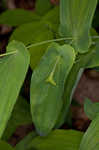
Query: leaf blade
{"type": "Point", "coordinates": [90, 139]}
{"type": "Point", "coordinates": [71, 83]}
{"type": "Point", "coordinates": [17, 17]}
{"type": "Point", "coordinates": [94, 61]}
{"type": "Point", "coordinates": [48, 82]}
{"type": "Point", "coordinates": [91, 109]}
{"type": "Point", "coordinates": [75, 21]}
{"type": "Point", "coordinates": [36, 32]}
{"type": "Point", "coordinates": [13, 71]}
{"type": "Point", "coordinates": [20, 116]}
{"type": "Point", "coordinates": [58, 139]}
{"type": "Point", "coordinates": [4, 146]}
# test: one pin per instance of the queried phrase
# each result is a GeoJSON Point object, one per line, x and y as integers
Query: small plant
{"type": "Point", "coordinates": [58, 51]}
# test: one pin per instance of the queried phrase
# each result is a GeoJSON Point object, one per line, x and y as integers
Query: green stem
{"type": "Point", "coordinates": [48, 41]}
{"type": "Point", "coordinates": [9, 53]}
{"type": "Point", "coordinates": [55, 40]}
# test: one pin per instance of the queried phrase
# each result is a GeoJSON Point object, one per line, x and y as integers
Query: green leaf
{"type": "Point", "coordinates": [47, 86]}
{"type": "Point", "coordinates": [42, 8]}
{"type": "Point", "coordinates": [93, 32]}
{"type": "Point", "coordinates": [38, 31]}
{"type": "Point", "coordinates": [13, 70]}
{"type": "Point", "coordinates": [5, 146]}
{"type": "Point", "coordinates": [53, 18]}
{"type": "Point", "coordinates": [17, 17]}
{"type": "Point", "coordinates": [20, 116]}
{"type": "Point", "coordinates": [23, 144]}
{"type": "Point", "coordinates": [94, 61]}
{"type": "Point", "coordinates": [71, 84]}
{"type": "Point", "coordinates": [91, 109]}
{"type": "Point", "coordinates": [90, 140]}
{"type": "Point", "coordinates": [33, 29]}
{"type": "Point", "coordinates": [57, 140]}
{"type": "Point", "coordinates": [75, 21]}
{"type": "Point", "coordinates": [33, 32]}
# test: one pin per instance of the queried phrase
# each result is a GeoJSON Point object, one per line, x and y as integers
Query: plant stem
{"type": "Point", "coordinates": [55, 40]}
{"type": "Point", "coordinates": [9, 53]}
